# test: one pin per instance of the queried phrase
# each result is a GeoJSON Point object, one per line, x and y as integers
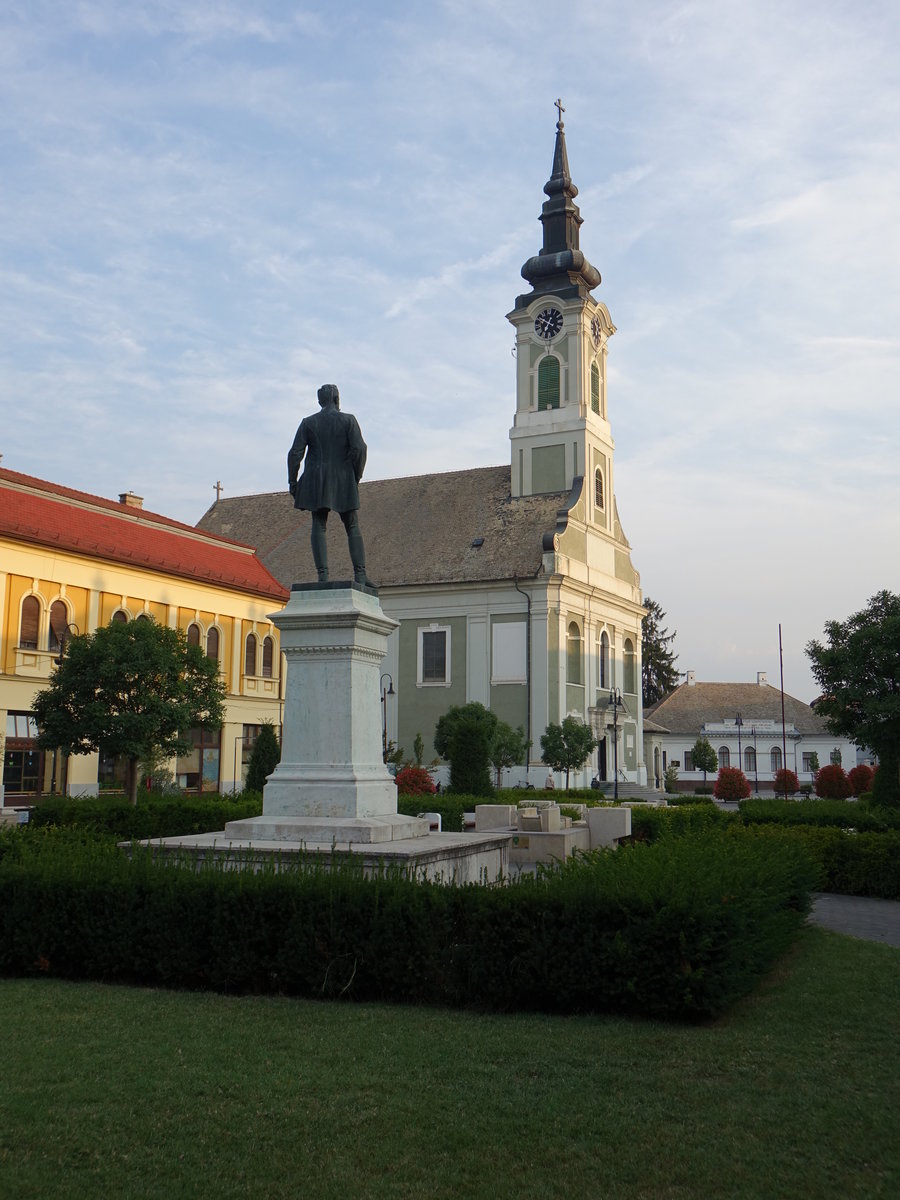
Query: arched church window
{"type": "Point", "coordinates": [775, 758]}
{"type": "Point", "coordinates": [573, 654]}
{"type": "Point", "coordinates": [193, 634]}
{"type": "Point", "coordinates": [604, 660]}
{"type": "Point", "coordinates": [250, 655]}
{"type": "Point", "coordinates": [630, 664]}
{"type": "Point", "coordinates": [119, 617]}
{"type": "Point", "coordinates": [268, 657]}
{"type": "Point", "coordinates": [598, 488]}
{"type": "Point", "coordinates": [30, 623]}
{"type": "Point", "coordinates": [595, 388]}
{"type": "Point", "coordinates": [59, 626]}
{"type": "Point", "coordinates": [548, 383]}
{"type": "Point", "coordinates": [212, 644]}
{"type": "Point", "coordinates": [724, 757]}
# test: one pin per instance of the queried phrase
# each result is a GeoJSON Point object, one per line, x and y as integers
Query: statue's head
{"type": "Point", "coordinates": [328, 394]}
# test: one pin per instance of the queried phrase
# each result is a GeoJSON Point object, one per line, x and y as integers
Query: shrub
{"type": "Point", "coordinates": [860, 779]}
{"type": "Point", "coordinates": [264, 757]}
{"type": "Point", "coordinates": [849, 863]}
{"type": "Point", "coordinates": [463, 736]}
{"type": "Point", "coordinates": [688, 798]}
{"type": "Point", "coordinates": [786, 782]}
{"type": "Point", "coordinates": [731, 784]}
{"type": "Point", "coordinates": [653, 824]}
{"type": "Point", "coordinates": [448, 804]}
{"type": "Point", "coordinates": [152, 817]}
{"type": "Point", "coordinates": [840, 813]}
{"type": "Point", "coordinates": [414, 781]}
{"type": "Point", "coordinates": [832, 782]}
{"type": "Point", "coordinates": [679, 929]}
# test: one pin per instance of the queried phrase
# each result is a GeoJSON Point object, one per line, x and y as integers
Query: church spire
{"type": "Point", "coordinates": [560, 267]}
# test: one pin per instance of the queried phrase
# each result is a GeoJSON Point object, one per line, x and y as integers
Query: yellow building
{"type": "Point", "coordinates": [70, 562]}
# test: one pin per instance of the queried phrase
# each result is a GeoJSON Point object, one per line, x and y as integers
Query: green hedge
{"type": "Point", "coordinates": [652, 824]}
{"type": "Point", "coordinates": [154, 816]}
{"type": "Point", "coordinates": [844, 814]}
{"type": "Point", "coordinates": [849, 863]}
{"type": "Point", "coordinates": [450, 806]}
{"type": "Point", "coordinates": [676, 799]}
{"type": "Point", "coordinates": [680, 929]}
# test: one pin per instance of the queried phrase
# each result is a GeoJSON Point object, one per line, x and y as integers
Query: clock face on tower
{"type": "Point", "coordinates": [548, 323]}
{"type": "Point", "coordinates": [595, 330]}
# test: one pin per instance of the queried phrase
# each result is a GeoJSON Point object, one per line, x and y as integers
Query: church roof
{"type": "Point", "coordinates": [692, 705]}
{"type": "Point", "coordinates": [453, 527]}
{"type": "Point", "coordinates": [59, 518]}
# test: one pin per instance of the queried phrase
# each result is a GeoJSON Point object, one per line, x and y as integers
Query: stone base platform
{"type": "Point", "coordinates": [389, 827]}
{"type": "Point", "coordinates": [455, 858]}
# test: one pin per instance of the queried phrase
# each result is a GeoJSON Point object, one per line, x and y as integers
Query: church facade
{"type": "Point", "coordinates": [512, 585]}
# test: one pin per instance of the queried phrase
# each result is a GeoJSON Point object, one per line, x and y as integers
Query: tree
{"type": "Point", "coordinates": [264, 757]}
{"type": "Point", "coordinates": [731, 784]}
{"type": "Point", "coordinates": [658, 674]}
{"type": "Point", "coordinates": [786, 782]}
{"type": "Point", "coordinates": [131, 688]}
{"type": "Point", "coordinates": [464, 736]}
{"type": "Point", "coordinates": [703, 757]}
{"type": "Point", "coordinates": [566, 747]}
{"type": "Point", "coordinates": [508, 748]}
{"type": "Point", "coordinates": [858, 670]}
{"type": "Point", "coordinates": [832, 783]}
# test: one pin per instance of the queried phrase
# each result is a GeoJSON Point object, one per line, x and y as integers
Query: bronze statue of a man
{"type": "Point", "coordinates": [335, 457]}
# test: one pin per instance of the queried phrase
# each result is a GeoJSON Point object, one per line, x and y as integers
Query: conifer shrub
{"type": "Point", "coordinates": [786, 782]}
{"type": "Point", "coordinates": [414, 781]}
{"type": "Point", "coordinates": [680, 929]}
{"type": "Point", "coordinates": [860, 779]}
{"type": "Point", "coordinates": [832, 782]}
{"type": "Point", "coordinates": [264, 757]}
{"type": "Point", "coordinates": [731, 784]}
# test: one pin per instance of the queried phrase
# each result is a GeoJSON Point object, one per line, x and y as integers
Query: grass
{"type": "Point", "coordinates": [117, 1092]}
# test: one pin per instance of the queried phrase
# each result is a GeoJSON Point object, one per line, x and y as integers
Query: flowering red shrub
{"type": "Point", "coordinates": [860, 779]}
{"type": "Point", "coordinates": [786, 782]}
{"type": "Point", "coordinates": [731, 784]}
{"type": "Point", "coordinates": [414, 781]}
{"type": "Point", "coordinates": [832, 783]}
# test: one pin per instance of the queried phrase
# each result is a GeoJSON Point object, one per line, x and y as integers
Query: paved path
{"type": "Point", "coordinates": [858, 916]}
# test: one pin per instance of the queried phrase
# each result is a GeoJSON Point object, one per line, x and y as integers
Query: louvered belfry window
{"type": "Point", "coordinates": [595, 388]}
{"type": "Point", "coordinates": [31, 623]}
{"type": "Point", "coordinates": [548, 383]}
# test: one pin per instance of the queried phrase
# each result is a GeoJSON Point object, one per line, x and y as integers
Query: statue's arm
{"type": "Point", "coordinates": [358, 449]}
{"type": "Point", "coordinates": [295, 457]}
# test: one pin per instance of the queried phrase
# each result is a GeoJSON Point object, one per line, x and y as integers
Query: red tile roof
{"type": "Point", "coordinates": [45, 514]}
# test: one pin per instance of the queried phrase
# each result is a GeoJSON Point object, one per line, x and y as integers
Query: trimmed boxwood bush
{"type": "Point", "coordinates": [676, 799]}
{"type": "Point", "coordinates": [680, 929]}
{"type": "Point", "coordinates": [785, 782]}
{"type": "Point", "coordinates": [448, 804]}
{"type": "Point", "coordinates": [841, 813]}
{"type": "Point", "coordinates": [860, 779]}
{"type": "Point", "coordinates": [154, 816]}
{"type": "Point", "coordinates": [731, 784]}
{"type": "Point", "coordinates": [832, 783]}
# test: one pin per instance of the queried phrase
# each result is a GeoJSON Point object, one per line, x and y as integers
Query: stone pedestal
{"type": "Point", "coordinates": [331, 784]}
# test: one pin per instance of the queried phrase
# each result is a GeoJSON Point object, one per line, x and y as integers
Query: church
{"type": "Point", "coordinates": [512, 585]}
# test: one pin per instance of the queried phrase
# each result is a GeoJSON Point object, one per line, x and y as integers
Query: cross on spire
{"type": "Point", "coordinates": [219, 490]}
{"type": "Point", "coordinates": [558, 105]}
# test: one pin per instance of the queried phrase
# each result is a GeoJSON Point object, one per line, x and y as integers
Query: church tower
{"type": "Point", "coordinates": [561, 429]}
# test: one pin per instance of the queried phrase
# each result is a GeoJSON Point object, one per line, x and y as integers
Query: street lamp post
{"type": "Point", "coordinates": [755, 760]}
{"type": "Point", "coordinates": [738, 720]}
{"type": "Point", "coordinates": [615, 703]}
{"type": "Point", "coordinates": [385, 692]}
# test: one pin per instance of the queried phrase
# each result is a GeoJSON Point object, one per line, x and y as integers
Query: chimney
{"type": "Point", "coordinates": [130, 500]}
{"type": "Point", "coordinates": [691, 678]}
{"type": "Point", "coordinates": [761, 678]}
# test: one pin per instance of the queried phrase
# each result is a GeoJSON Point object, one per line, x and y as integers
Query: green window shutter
{"type": "Point", "coordinates": [595, 388]}
{"type": "Point", "coordinates": [548, 383]}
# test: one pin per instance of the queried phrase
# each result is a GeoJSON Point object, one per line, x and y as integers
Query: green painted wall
{"type": "Point", "coordinates": [418, 708]}
{"type": "Point", "coordinates": [509, 701]}
{"type": "Point", "coordinates": [548, 469]}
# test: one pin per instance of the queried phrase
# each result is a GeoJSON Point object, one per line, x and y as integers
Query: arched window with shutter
{"type": "Point", "coordinates": [548, 383]}
{"type": "Point", "coordinates": [598, 488]}
{"type": "Point", "coordinates": [120, 617]}
{"type": "Point", "coordinates": [59, 626]}
{"type": "Point", "coordinates": [268, 657]}
{"type": "Point", "coordinates": [724, 757]}
{"type": "Point", "coordinates": [193, 634]}
{"type": "Point", "coordinates": [629, 664]}
{"type": "Point", "coordinates": [604, 660]}
{"type": "Point", "coordinates": [250, 655]}
{"type": "Point", "coordinates": [30, 624]}
{"type": "Point", "coordinates": [775, 758]}
{"type": "Point", "coordinates": [573, 655]}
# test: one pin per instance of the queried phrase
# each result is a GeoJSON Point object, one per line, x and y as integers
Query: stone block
{"type": "Point", "coordinates": [608, 825]}
{"type": "Point", "coordinates": [495, 816]}
{"type": "Point", "coordinates": [550, 819]}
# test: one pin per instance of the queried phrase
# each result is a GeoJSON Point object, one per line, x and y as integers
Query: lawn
{"type": "Point", "coordinates": [118, 1092]}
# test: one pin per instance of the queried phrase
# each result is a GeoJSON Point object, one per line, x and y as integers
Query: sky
{"type": "Point", "coordinates": [209, 209]}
